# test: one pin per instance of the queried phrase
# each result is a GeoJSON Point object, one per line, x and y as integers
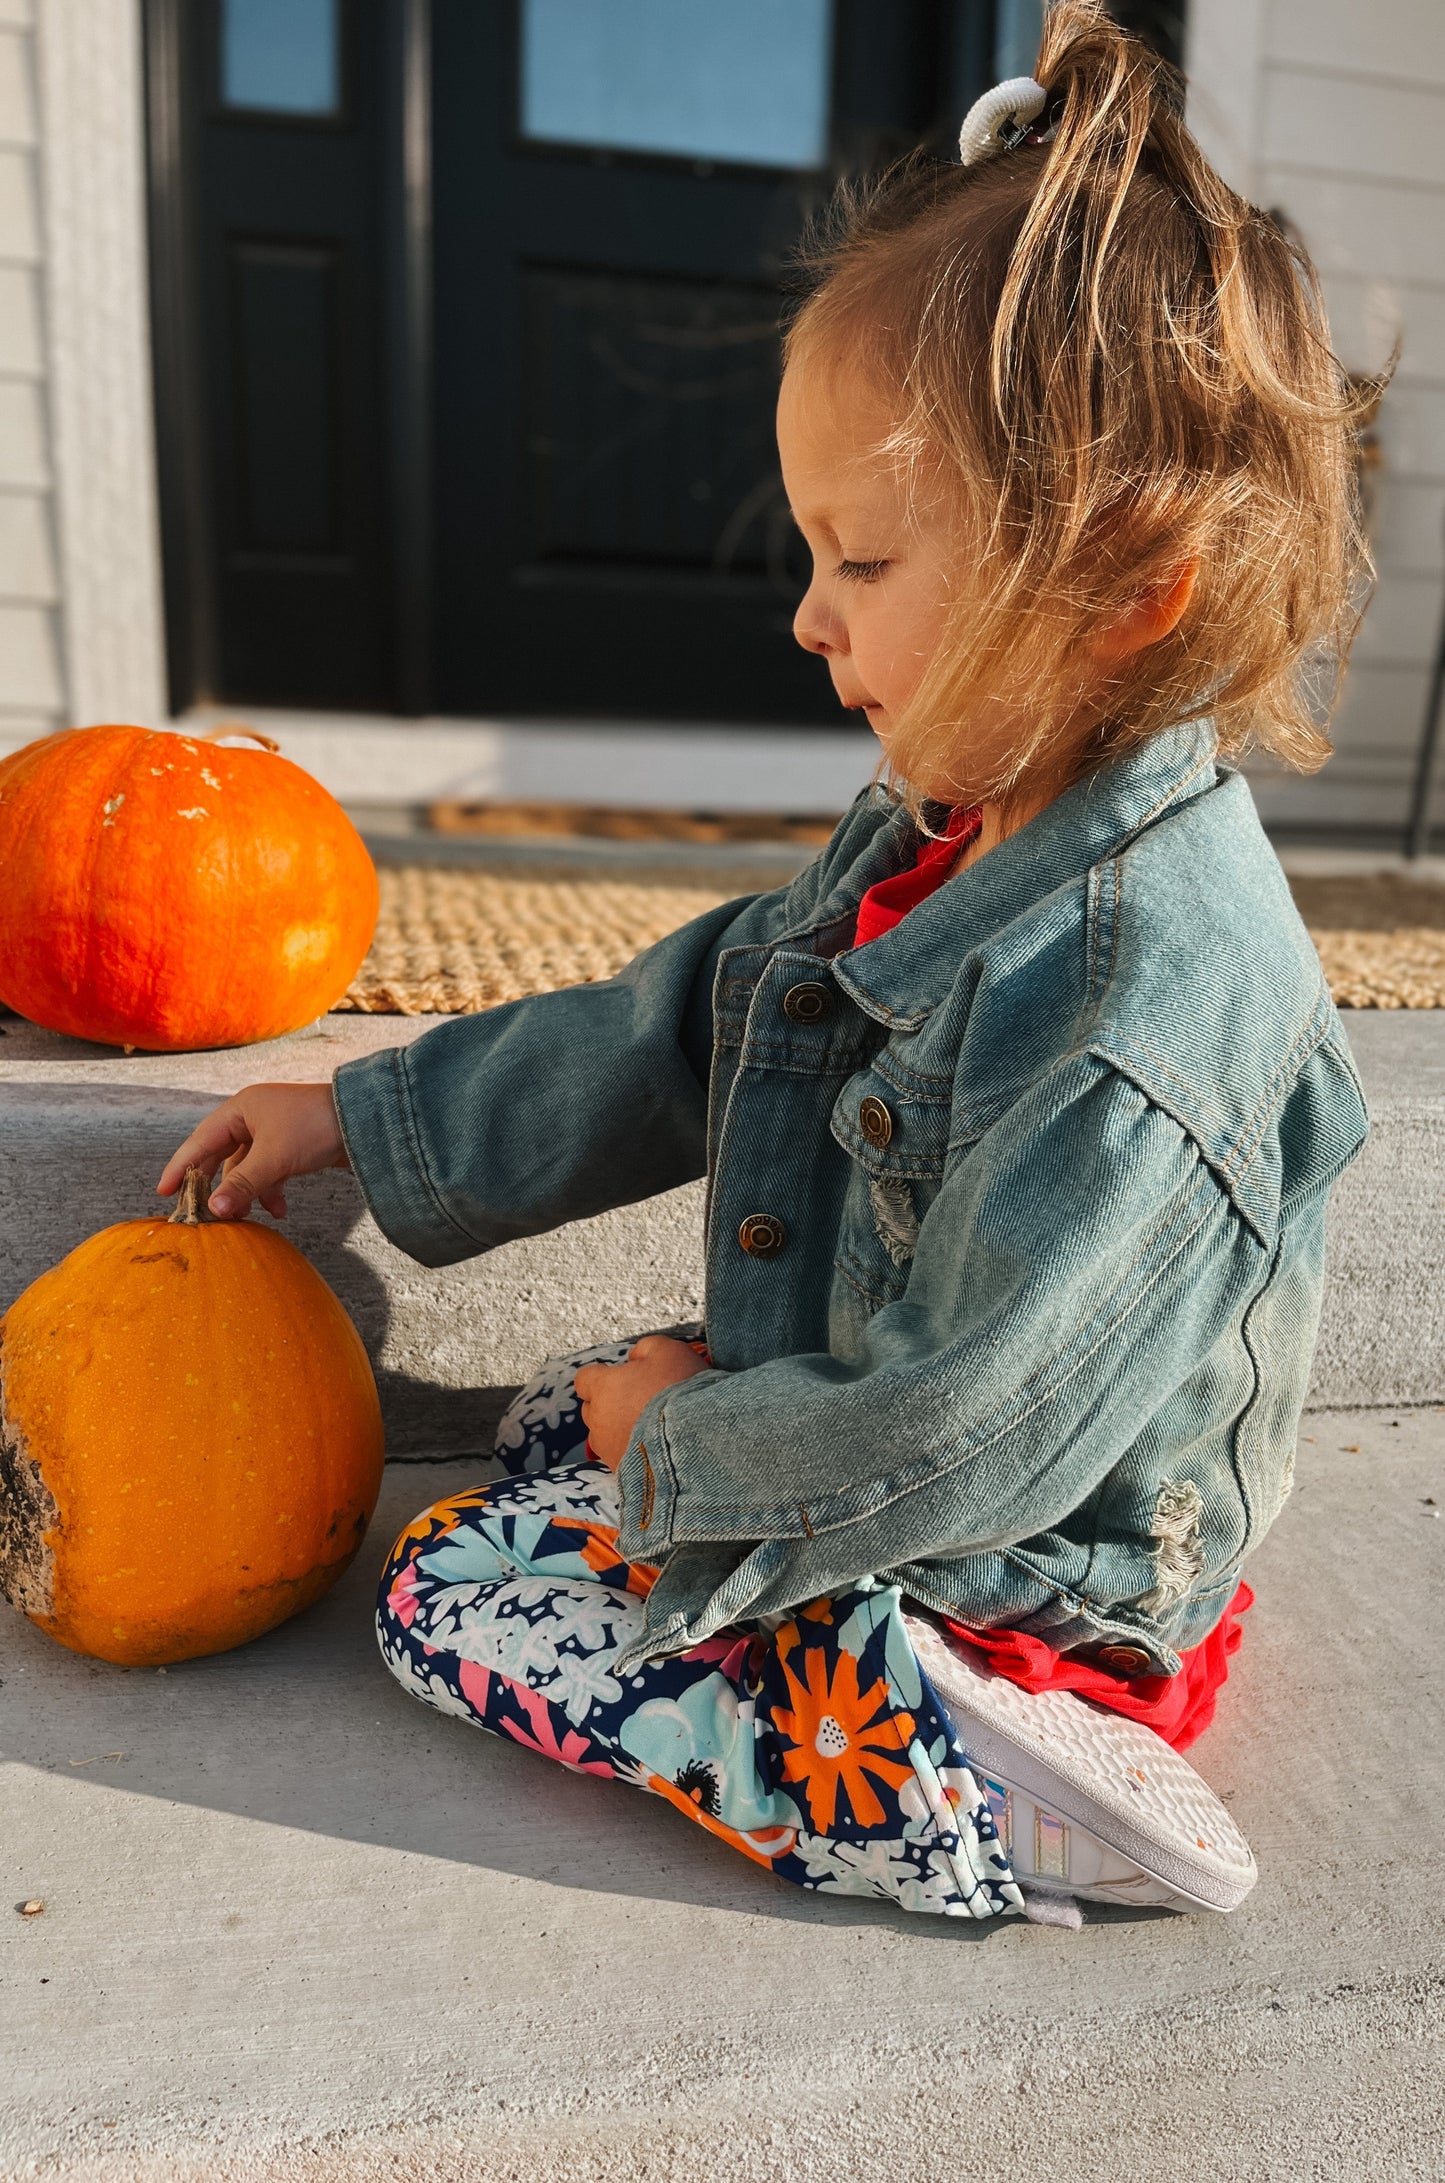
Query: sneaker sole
{"type": "Point", "coordinates": [1110, 1775]}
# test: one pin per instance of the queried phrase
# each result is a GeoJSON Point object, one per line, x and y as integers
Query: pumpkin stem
{"type": "Point", "coordinates": [234, 729]}
{"type": "Point", "coordinates": [191, 1205]}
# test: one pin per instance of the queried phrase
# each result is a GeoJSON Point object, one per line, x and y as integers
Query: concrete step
{"type": "Point", "coordinates": [84, 1131]}
{"type": "Point", "coordinates": [300, 1929]}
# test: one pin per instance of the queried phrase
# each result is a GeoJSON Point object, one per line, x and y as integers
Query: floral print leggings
{"type": "Point", "coordinates": [814, 1745]}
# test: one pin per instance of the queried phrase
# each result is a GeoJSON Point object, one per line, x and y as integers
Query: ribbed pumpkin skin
{"type": "Point", "coordinates": [190, 1441]}
{"type": "Point", "coordinates": [165, 893]}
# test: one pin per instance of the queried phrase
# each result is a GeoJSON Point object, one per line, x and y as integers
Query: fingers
{"type": "Point", "coordinates": [221, 1133]}
{"type": "Point", "coordinates": [265, 1134]}
{"type": "Point", "coordinates": [234, 1196]}
{"type": "Point", "coordinates": [246, 1177]}
{"type": "Point", "coordinates": [659, 1348]}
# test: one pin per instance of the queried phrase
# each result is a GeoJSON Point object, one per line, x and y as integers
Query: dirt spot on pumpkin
{"type": "Point", "coordinates": [27, 1513]}
{"type": "Point", "coordinates": [153, 1258]}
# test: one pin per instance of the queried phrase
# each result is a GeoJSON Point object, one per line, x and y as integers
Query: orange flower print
{"type": "Point", "coordinates": [443, 1517]}
{"type": "Point", "coordinates": [838, 1739]}
{"type": "Point", "coordinates": [599, 1550]}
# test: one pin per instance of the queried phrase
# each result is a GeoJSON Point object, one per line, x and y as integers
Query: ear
{"type": "Point", "coordinates": [1150, 618]}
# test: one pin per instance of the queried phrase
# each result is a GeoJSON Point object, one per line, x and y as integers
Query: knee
{"type": "Point", "coordinates": [396, 1596]}
{"type": "Point", "coordinates": [455, 1527]}
{"type": "Point", "coordinates": [396, 1593]}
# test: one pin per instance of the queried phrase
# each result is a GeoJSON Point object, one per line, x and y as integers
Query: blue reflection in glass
{"type": "Point", "coordinates": [707, 79]}
{"type": "Point", "coordinates": [281, 56]}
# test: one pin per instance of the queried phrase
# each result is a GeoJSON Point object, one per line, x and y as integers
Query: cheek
{"type": "Point", "coordinates": [893, 642]}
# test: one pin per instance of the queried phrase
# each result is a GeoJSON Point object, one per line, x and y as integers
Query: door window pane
{"type": "Point", "coordinates": [280, 56]}
{"type": "Point", "coordinates": [707, 79]}
{"type": "Point", "coordinates": [1019, 25]}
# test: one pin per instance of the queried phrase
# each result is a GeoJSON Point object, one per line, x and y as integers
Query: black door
{"type": "Point", "coordinates": [465, 319]}
{"type": "Point", "coordinates": [618, 193]}
{"type": "Point", "coordinates": [272, 145]}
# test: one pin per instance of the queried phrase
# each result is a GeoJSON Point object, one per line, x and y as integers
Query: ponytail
{"type": "Point", "coordinates": [1125, 369]}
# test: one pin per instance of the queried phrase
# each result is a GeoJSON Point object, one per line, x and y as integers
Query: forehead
{"type": "Point", "coordinates": [834, 429]}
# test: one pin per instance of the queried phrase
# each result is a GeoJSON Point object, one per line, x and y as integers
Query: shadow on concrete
{"type": "Point", "coordinates": [1329, 1745]}
{"type": "Point", "coordinates": [305, 1728]}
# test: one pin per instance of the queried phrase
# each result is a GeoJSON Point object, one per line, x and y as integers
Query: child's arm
{"type": "Point", "coordinates": [554, 1108]}
{"type": "Point", "coordinates": [1073, 1272]}
{"type": "Point", "coordinates": [516, 1120]}
{"type": "Point", "coordinates": [529, 1115]}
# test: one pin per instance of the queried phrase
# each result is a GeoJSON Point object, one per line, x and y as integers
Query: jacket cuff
{"type": "Point", "coordinates": [378, 1126]}
{"type": "Point", "coordinates": [677, 1490]}
{"type": "Point", "coordinates": [648, 1487]}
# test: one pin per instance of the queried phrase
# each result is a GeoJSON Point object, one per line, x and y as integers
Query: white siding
{"type": "Point", "coordinates": [92, 194]}
{"type": "Point", "coordinates": [1400, 38]}
{"type": "Point", "coordinates": [30, 676]}
{"type": "Point", "coordinates": [1333, 112]}
{"type": "Point", "coordinates": [80, 626]}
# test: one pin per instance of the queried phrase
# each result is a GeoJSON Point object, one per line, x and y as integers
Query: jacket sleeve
{"type": "Point", "coordinates": [558, 1106]}
{"type": "Point", "coordinates": [1074, 1268]}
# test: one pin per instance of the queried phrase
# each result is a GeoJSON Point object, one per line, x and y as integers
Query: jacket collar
{"type": "Point", "coordinates": [902, 976]}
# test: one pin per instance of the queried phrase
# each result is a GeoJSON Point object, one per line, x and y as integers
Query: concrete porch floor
{"type": "Point", "coordinates": [298, 1927]}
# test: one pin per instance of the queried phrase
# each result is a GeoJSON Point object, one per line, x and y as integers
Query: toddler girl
{"type": "Point", "coordinates": [1019, 1108]}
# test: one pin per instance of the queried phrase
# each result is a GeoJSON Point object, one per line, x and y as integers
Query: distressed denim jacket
{"type": "Point", "coordinates": [1015, 1221]}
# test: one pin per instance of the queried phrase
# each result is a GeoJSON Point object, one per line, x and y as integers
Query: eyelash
{"type": "Point", "coordinates": [860, 572]}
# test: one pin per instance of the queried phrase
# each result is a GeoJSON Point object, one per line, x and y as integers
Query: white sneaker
{"type": "Point", "coordinates": [1088, 1803]}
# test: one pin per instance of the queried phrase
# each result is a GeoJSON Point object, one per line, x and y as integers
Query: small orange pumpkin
{"type": "Point", "coordinates": [190, 1439]}
{"type": "Point", "coordinates": [164, 892]}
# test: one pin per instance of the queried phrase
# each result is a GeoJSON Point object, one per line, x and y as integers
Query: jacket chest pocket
{"type": "Point", "coordinates": [896, 1138]}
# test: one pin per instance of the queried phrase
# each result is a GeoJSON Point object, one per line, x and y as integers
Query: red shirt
{"type": "Point", "coordinates": [887, 904]}
{"type": "Point", "coordinates": [1177, 1707]}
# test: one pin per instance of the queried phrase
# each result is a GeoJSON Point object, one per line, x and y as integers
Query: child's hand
{"type": "Point", "coordinates": [266, 1134]}
{"type": "Point", "coordinates": [614, 1396]}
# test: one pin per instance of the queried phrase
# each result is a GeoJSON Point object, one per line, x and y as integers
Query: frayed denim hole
{"type": "Point", "coordinates": [1178, 1557]}
{"type": "Point", "coordinates": [895, 1219]}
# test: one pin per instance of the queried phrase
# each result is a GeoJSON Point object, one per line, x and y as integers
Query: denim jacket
{"type": "Point", "coordinates": [1015, 1219]}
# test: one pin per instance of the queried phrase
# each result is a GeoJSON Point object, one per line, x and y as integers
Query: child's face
{"type": "Point", "coordinates": [882, 559]}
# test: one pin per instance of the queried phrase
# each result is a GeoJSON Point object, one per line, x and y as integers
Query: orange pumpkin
{"type": "Point", "coordinates": [161, 891]}
{"type": "Point", "coordinates": [190, 1440]}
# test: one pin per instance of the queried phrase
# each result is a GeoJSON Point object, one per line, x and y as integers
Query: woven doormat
{"type": "Point", "coordinates": [454, 942]}
{"type": "Point", "coordinates": [608, 822]}
{"type": "Point", "coordinates": [1381, 938]}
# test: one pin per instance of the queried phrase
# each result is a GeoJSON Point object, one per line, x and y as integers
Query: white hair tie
{"type": "Point", "coordinates": [1002, 118]}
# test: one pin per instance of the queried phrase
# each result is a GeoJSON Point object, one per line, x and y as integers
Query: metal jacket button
{"type": "Point", "coordinates": [807, 1003]}
{"type": "Point", "coordinates": [762, 1235]}
{"type": "Point", "coordinates": [1124, 1660]}
{"type": "Point", "coordinates": [876, 1121]}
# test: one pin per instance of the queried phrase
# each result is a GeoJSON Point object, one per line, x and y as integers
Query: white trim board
{"type": "Point", "coordinates": [91, 153]}
{"type": "Point", "coordinates": [367, 759]}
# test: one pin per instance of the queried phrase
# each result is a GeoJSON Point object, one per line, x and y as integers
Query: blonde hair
{"type": "Point", "coordinates": [1120, 368]}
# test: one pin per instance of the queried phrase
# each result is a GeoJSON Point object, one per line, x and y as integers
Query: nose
{"type": "Point", "coordinates": [815, 626]}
